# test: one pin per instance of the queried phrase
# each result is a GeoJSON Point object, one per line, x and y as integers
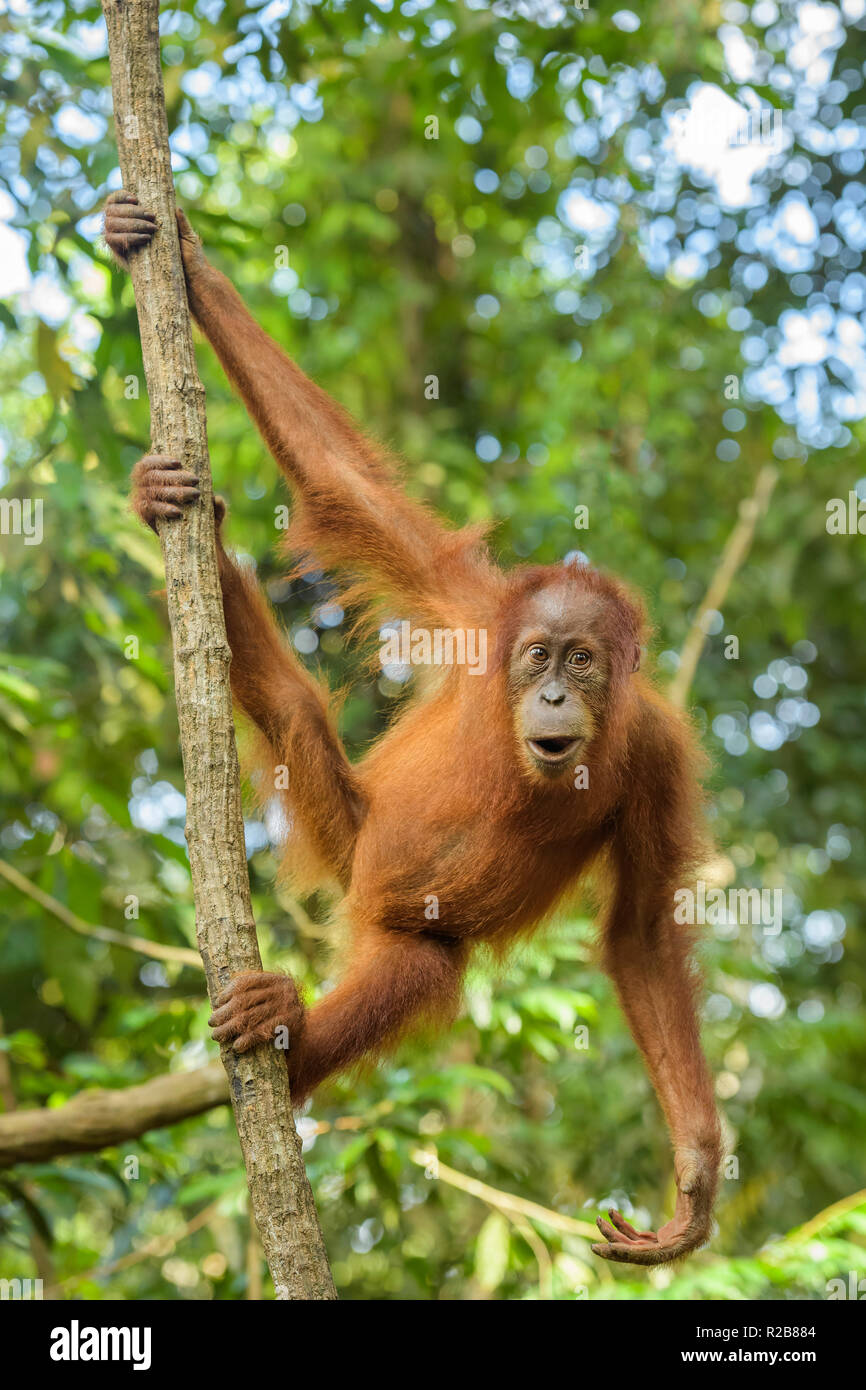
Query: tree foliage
{"type": "Point", "coordinates": [473, 224]}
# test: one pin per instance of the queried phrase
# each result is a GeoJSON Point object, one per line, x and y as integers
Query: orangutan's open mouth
{"type": "Point", "coordinates": [556, 748]}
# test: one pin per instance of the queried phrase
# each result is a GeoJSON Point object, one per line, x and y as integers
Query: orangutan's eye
{"type": "Point", "coordinates": [580, 658]}
{"type": "Point", "coordinates": [537, 654]}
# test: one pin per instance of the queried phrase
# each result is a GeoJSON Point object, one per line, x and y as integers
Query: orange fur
{"type": "Point", "coordinates": [446, 835]}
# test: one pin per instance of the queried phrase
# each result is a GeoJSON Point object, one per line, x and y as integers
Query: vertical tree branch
{"type": "Point", "coordinates": [281, 1197]}
{"type": "Point", "coordinates": [735, 551]}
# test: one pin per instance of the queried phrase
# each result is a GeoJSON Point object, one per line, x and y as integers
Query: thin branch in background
{"type": "Point", "coordinates": [817, 1223]}
{"type": "Point", "coordinates": [145, 947]}
{"type": "Point", "coordinates": [182, 954]}
{"type": "Point", "coordinates": [735, 551]}
{"type": "Point", "coordinates": [505, 1202]}
{"type": "Point", "coordinates": [302, 919]}
{"type": "Point", "coordinates": [541, 1253]}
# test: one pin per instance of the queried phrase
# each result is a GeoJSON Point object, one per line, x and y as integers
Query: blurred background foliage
{"type": "Point", "coordinates": [542, 207]}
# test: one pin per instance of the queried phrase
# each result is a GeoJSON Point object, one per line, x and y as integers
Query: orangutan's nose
{"type": "Point", "coordinates": [553, 694]}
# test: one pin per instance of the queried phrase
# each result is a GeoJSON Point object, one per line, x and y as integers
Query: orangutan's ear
{"type": "Point", "coordinates": [636, 666]}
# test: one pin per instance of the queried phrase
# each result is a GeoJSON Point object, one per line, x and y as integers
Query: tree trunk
{"type": "Point", "coordinates": [281, 1196]}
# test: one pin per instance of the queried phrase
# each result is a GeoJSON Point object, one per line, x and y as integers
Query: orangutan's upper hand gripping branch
{"type": "Point", "coordinates": [466, 821]}
{"type": "Point", "coordinates": [350, 512]}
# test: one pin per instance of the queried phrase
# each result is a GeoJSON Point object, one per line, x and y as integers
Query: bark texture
{"type": "Point", "coordinates": [280, 1192]}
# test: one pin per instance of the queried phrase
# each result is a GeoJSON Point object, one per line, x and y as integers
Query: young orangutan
{"type": "Point", "coordinates": [475, 815]}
